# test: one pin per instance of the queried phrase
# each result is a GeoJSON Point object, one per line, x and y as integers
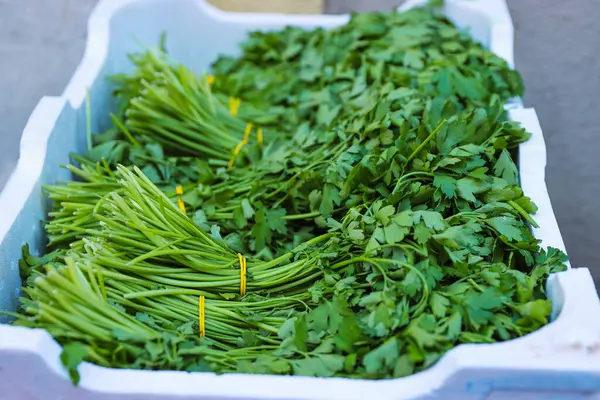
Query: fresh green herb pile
{"type": "Point", "coordinates": [365, 177]}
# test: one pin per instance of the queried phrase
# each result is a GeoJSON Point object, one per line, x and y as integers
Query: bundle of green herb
{"type": "Point", "coordinates": [378, 224]}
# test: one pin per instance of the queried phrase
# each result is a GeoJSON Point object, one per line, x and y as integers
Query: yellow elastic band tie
{"type": "Point", "coordinates": [180, 203]}
{"type": "Point", "coordinates": [240, 145]}
{"type": "Point", "coordinates": [247, 132]}
{"type": "Point", "coordinates": [259, 135]}
{"type": "Point", "coordinates": [211, 79]}
{"type": "Point", "coordinates": [242, 274]}
{"type": "Point", "coordinates": [234, 105]}
{"type": "Point", "coordinates": [201, 316]}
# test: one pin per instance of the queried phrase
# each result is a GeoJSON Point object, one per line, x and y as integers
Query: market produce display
{"type": "Point", "coordinates": [336, 202]}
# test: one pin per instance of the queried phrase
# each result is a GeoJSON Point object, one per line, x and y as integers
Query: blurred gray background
{"type": "Point", "coordinates": [556, 44]}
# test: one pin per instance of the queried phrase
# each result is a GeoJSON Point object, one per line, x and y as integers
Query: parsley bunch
{"type": "Point", "coordinates": [324, 75]}
{"type": "Point", "coordinates": [380, 217]}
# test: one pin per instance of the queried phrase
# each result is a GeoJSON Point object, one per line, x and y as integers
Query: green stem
{"type": "Point", "coordinates": [523, 213]}
{"type": "Point", "coordinates": [427, 139]}
{"type": "Point", "coordinates": [293, 217]}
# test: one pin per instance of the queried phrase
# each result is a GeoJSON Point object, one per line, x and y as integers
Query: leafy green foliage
{"type": "Point", "coordinates": [72, 355]}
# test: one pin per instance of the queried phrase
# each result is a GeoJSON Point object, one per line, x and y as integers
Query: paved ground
{"type": "Point", "coordinates": [557, 45]}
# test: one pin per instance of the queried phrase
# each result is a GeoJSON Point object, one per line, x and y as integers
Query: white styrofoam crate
{"type": "Point", "coordinates": [562, 358]}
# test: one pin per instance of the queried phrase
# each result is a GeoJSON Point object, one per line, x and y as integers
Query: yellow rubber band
{"type": "Point", "coordinates": [211, 79]}
{"type": "Point", "coordinates": [234, 105]}
{"type": "Point", "coordinates": [180, 203]}
{"type": "Point", "coordinates": [242, 274]}
{"type": "Point", "coordinates": [238, 148]}
{"type": "Point", "coordinates": [259, 135]}
{"type": "Point", "coordinates": [247, 132]}
{"type": "Point", "coordinates": [240, 145]}
{"type": "Point", "coordinates": [202, 328]}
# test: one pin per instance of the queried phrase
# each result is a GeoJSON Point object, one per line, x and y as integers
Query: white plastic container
{"type": "Point", "coordinates": [561, 361]}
